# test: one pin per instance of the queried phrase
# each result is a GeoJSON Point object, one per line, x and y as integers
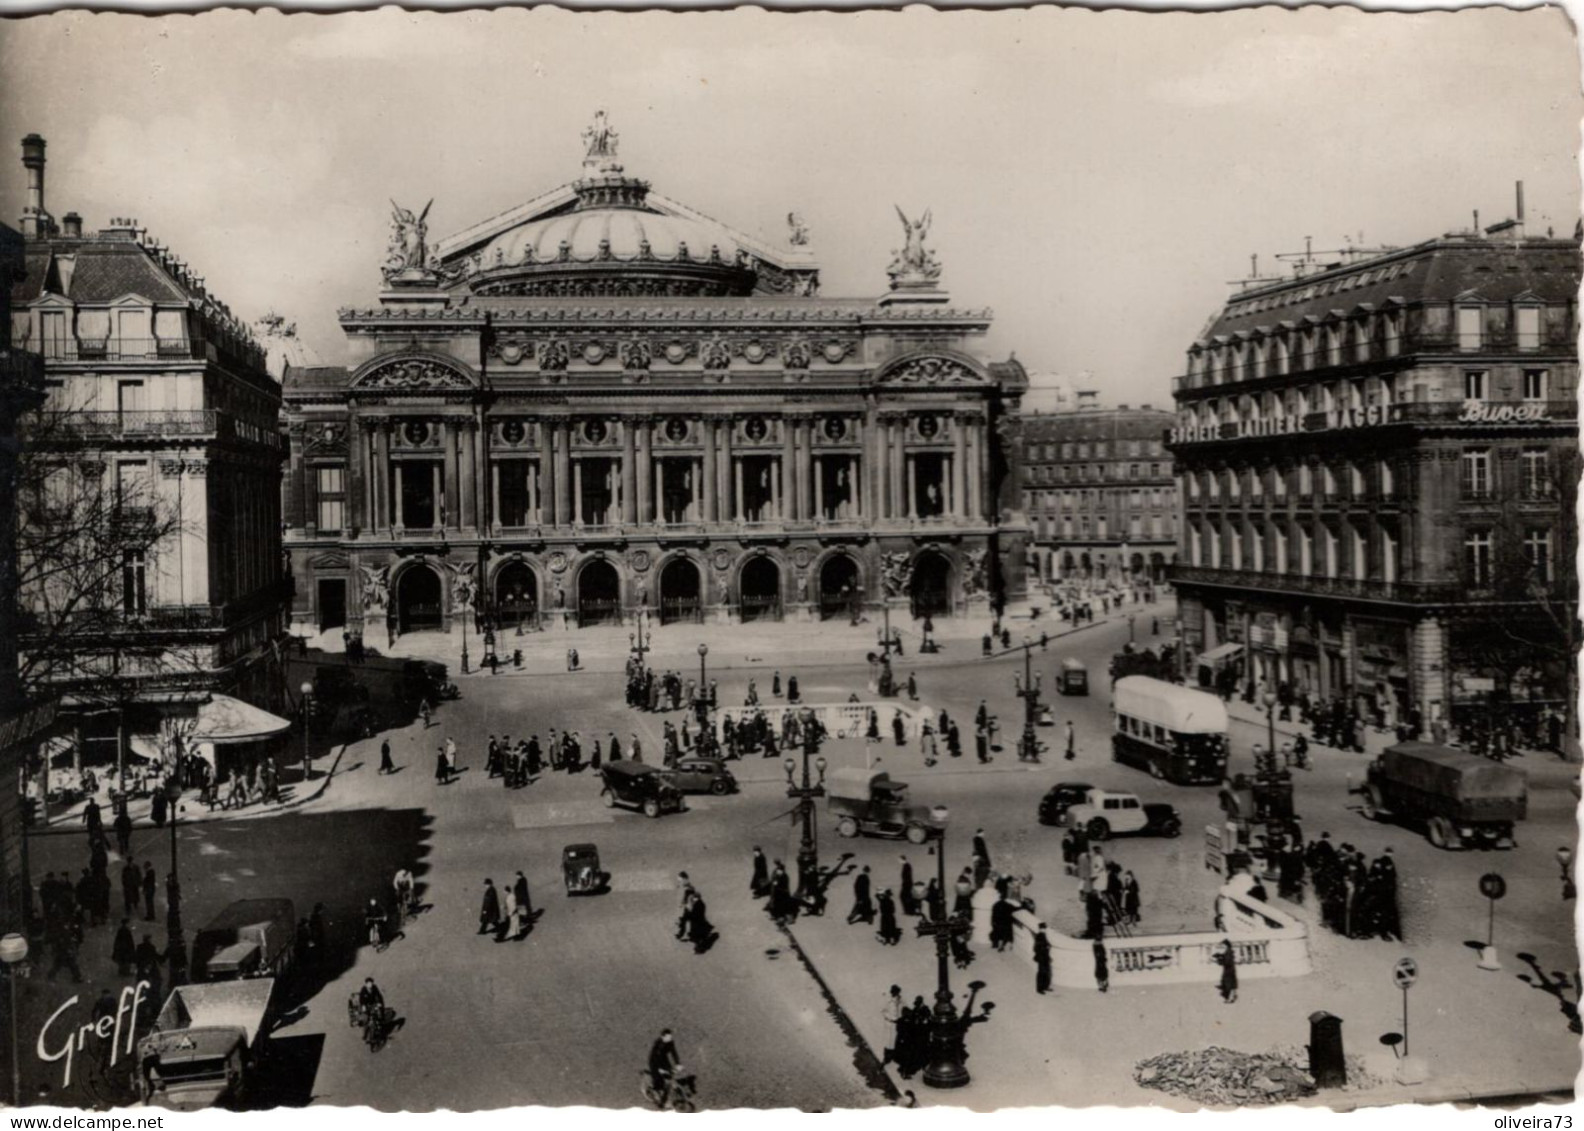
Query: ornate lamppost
{"type": "Point", "coordinates": [805, 795]}
{"type": "Point", "coordinates": [173, 925]}
{"type": "Point", "coordinates": [1029, 691]}
{"type": "Point", "coordinates": [1270, 723]}
{"type": "Point", "coordinates": [639, 647]}
{"type": "Point", "coordinates": [13, 952]}
{"type": "Point", "coordinates": [701, 704]}
{"type": "Point", "coordinates": [947, 1028]}
{"type": "Point", "coordinates": [307, 690]}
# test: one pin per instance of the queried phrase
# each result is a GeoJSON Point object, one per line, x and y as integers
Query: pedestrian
{"type": "Point", "coordinates": [508, 914]}
{"type": "Point", "coordinates": [700, 931]}
{"type": "Point", "coordinates": [1229, 979]}
{"type": "Point", "coordinates": [123, 830]}
{"type": "Point", "coordinates": [122, 951]}
{"type": "Point", "coordinates": [424, 712]}
{"type": "Point", "coordinates": [1130, 899]}
{"type": "Point", "coordinates": [792, 690]}
{"type": "Point", "coordinates": [442, 767]}
{"type": "Point", "coordinates": [523, 904]}
{"type": "Point", "coordinates": [1388, 918]}
{"type": "Point", "coordinates": [775, 684]}
{"type": "Point", "coordinates": [451, 755]}
{"type": "Point", "coordinates": [685, 886]}
{"type": "Point", "coordinates": [782, 906]}
{"type": "Point", "coordinates": [1102, 967]}
{"type": "Point", "coordinates": [912, 686]}
{"type": "Point", "coordinates": [898, 729]}
{"type": "Point", "coordinates": [910, 903]}
{"type": "Point", "coordinates": [863, 910]}
{"type": "Point", "coordinates": [386, 765]}
{"type": "Point", "coordinates": [635, 749]}
{"type": "Point", "coordinates": [150, 886]}
{"type": "Point", "coordinates": [1001, 924]}
{"type": "Point", "coordinates": [1042, 961]}
{"type": "Point", "coordinates": [1072, 752]}
{"type": "Point", "coordinates": [759, 883]}
{"type": "Point", "coordinates": [147, 958]}
{"type": "Point", "coordinates": [891, 1014]}
{"type": "Point", "coordinates": [982, 744]}
{"type": "Point", "coordinates": [981, 847]}
{"type": "Point", "coordinates": [594, 758]}
{"type": "Point", "coordinates": [889, 934]}
{"type": "Point", "coordinates": [490, 911]}
{"type": "Point", "coordinates": [1094, 917]}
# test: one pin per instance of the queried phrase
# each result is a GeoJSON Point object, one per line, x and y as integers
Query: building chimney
{"type": "Point", "coordinates": [71, 226]}
{"type": "Point", "coordinates": [1520, 202]}
{"type": "Point", "coordinates": [1088, 400]}
{"type": "Point", "coordinates": [36, 222]}
{"type": "Point", "coordinates": [1122, 408]}
{"type": "Point", "coordinates": [1146, 407]}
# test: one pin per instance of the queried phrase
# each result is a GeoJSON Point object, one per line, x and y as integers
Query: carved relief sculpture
{"type": "Point", "coordinates": [376, 587]}
{"type": "Point", "coordinates": [799, 235]}
{"type": "Point", "coordinates": [464, 583]}
{"type": "Point", "coordinates": [974, 580]}
{"type": "Point", "coordinates": [413, 373]}
{"type": "Point", "coordinates": [896, 572]}
{"type": "Point", "coordinates": [717, 353]}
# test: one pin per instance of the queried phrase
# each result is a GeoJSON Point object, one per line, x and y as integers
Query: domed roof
{"type": "Point", "coordinates": [607, 234]}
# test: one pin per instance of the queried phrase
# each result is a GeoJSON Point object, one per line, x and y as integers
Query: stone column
{"type": "Point", "coordinates": [439, 488]}
{"type": "Point", "coordinates": [547, 481]}
{"type": "Point", "coordinates": [384, 512]}
{"type": "Point", "coordinates": [495, 511]}
{"type": "Point", "coordinates": [645, 496]}
{"type": "Point", "coordinates": [737, 489]}
{"type": "Point", "coordinates": [775, 491]}
{"type": "Point", "coordinates": [788, 468]}
{"type": "Point", "coordinates": [449, 474]}
{"type": "Point", "coordinates": [563, 473]}
{"type": "Point", "coordinates": [577, 492]}
{"type": "Point", "coordinates": [959, 460]}
{"type": "Point", "coordinates": [895, 468]}
{"type": "Point", "coordinates": [401, 513]}
{"type": "Point", "coordinates": [659, 490]}
{"type": "Point", "coordinates": [875, 450]}
{"type": "Point", "coordinates": [818, 468]}
{"type": "Point", "coordinates": [910, 466]}
{"type": "Point", "coordinates": [355, 491]}
{"type": "Point", "coordinates": [805, 509]}
{"type": "Point", "coordinates": [710, 475]}
{"type": "Point", "coordinates": [468, 517]}
{"type": "Point", "coordinates": [855, 506]}
{"type": "Point", "coordinates": [975, 470]}
{"type": "Point", "coordinates": [629, 490]}
{"type": "Point", "coordinates": [729, 479]}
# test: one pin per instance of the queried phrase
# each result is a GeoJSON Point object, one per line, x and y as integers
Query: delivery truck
{"type": "Point", "coordinates": [206, 1045]}
{"type": "Point", "coordinates": [1460, 799]}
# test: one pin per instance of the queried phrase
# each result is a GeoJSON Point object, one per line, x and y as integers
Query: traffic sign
{"type": "Point", "coordinates": [1405, 973]}
{"type": "Point", "coordinates": [1492, 886]}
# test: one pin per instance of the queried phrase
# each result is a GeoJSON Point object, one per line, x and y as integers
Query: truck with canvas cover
{"type": "Point", "coordinates": [251, 938]}
{"type": "Point", "coordinates": [205, 1046]}
{"type": "Point", "coordinates": [1458, 798]}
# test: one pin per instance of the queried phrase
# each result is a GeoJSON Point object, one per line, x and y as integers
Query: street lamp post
{"type": "Point", "coordinates": [702, 702]}
{"type": "Point", "coordinates": [1029, 691]}
{"type": "Point", "coordinates": [464, 637]}
{"type": "Point", "coordinates": [885, 641]}
{"type": "Point", "coordinates": [805, 795]}
{"type": "Point", "coordinates": [947, 1067]}
{"type": "Point", "coordinates": [173, 923]}
{"type": "Point", "coordinates": [13, 951]}
{"type": "Point", "coordinates": [307, 703]}
{"type": "Point", "coordinates": [640, 649]}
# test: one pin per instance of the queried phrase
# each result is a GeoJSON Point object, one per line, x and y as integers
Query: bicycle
{"type": "Point", "coordinates": [377, 1027]}
{"type": "Point", "coordinates": [680, 1088]}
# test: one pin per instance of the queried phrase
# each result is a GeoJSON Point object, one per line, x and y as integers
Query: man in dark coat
{"type": "Point", "coordinates": [889, 934]}
{"type": "Point", "coordinates": [759, 884]}
{"type": "Point", "coordinates": [1383, 878]}
{"type": "Point", "coordinates": [782, 906]}
{"type": "Point", "coordinates": [982, 744]}
{"type": "Point", "coordinates": [386, 765]}
{"type": "Point", "coordinates": [150, 886]}
{"type": "Point", "coordinates": [123, 952]}
{"type": "Point", "coordinates": [490, 911]}
{"type": "Point", "coordinates": [863, 910]}
{"type": "Point", "coordinates": [1094, 916]}
{"type": "Point", "coordinates": [1042, 961]}
{"type": "Point", "coordinates": [123, 831]}
{"type": "Point", "coordinates": [131, 884]}
{"type": "Point", "coordinates": [1102, 967]}
{"type": "Point", "coordinates": [700, 931]}
{"type": "Point", "coordinates": [898, 729]}
{"type": "Point", "coordinates": [1229, 979]}
{"type": "Point", "coordinates": [792, 689]}
{"type": "Point", "coordinates": [981, 847]}
{"type": "Point", "coordinates": [909, 900]}
{"type": "Point", "coordinates": [1001, 924]}
{"type": "Point", "coordinates": [524, 904]}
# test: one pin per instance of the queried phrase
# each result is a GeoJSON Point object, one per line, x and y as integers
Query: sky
{"type": "Point", "coordinates": [1095, 179]}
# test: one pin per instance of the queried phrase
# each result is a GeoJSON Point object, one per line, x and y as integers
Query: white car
{"type": "Point", "coordinates": [1103, 814]}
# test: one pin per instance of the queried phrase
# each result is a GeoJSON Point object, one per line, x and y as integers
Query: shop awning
{"type": "Point", "coordinates": [224, 719]}
{"type": "Point", "coordinates": [1220, 652]}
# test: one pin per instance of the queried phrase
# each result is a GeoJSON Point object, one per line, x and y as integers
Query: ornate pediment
{"type": "Point", "coordinates": [931, 370]}
{"type": "Point", "coordinates": [413, 374]}
{"type": "Point", "coordinates": [328, 561]}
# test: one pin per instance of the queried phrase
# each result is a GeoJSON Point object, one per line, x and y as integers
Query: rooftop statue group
{"type": "Point", "coordinates": [915, 265]}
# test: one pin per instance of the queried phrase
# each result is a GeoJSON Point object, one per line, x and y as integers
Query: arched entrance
{"type": "Point", "coordinates": [839, 595]}
{"type": "Point", "coordinates": [1158, 567]}
{"type": "Point", "coordinates": [418, 600]}
{"type": "Point", "coordinates": [517, 596]}
{"type": "Point", "coordinates": [759, 589]}
{"type": "Point", "coordinates": [1083, 564]}
{"type": "Point", "coordinates": [930, 588]}
{"type": "Point", "coordinates": [598, 594]}
{"type": "Point", "coordinates": [1136, 565]}
{"type": "Point", "coordinates": [680, 592]}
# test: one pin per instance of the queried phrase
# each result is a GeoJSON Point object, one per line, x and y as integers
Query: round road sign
{"type": "Point", "coordinates": [1492, 886]}
{"type": "Point", "coordinates": [1405, 973]}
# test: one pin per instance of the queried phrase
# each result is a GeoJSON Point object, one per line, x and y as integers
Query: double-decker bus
{"type": "Point", "coordinates": [1169, 731]}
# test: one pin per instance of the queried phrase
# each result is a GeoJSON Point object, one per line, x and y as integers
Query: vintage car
{"type": "Point", "coordinates": [251, 938]}
{"type": "Point", "coordinates": [1102, 813]}
{"type": "Point", "coordinates": [581, 871]}
{"type": "Point", "coordinates": [1073, 678]}
{"type": "Point", "coordinates": [703, 775]}
{"type": "Point", "coordinates": [648, 789]}
{"type": "Point", "coordinates": [868, 802]}
{"type": "Point", "coordinates": [1059, 798]}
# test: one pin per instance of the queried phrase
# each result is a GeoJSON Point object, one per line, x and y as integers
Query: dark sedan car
{"type": "Point", "coordinates": [703, 775]}
{"type": "Point", "coordinates": [1059, 798]}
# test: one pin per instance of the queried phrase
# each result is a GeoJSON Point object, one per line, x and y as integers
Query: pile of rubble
{"type": "Point", "coordinates": [1225, 1077]}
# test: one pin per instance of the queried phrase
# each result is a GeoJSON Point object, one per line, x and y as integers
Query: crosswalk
{"type": "Point", "coordinates": [561, 814]}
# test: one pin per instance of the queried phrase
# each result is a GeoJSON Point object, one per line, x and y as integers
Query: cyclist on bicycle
{"type": "Point", "coordinates": [663, 1064]}
{"type": "Point", "coordinates": [370, 1000]}
{"type": "Point", "coordinates": [404, 889]}
{"type": "Point", "coordinates": [374, 922]}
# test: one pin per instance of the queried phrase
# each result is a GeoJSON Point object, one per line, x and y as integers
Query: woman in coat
{"type": "Point", "coordinates": [1229, 979]}
{"type": "Point", "coordinates": [759, 884]}
{"type": "Point", "coordinates": [1001, 924]}
{"type": "Point", "coordinates": [490, 911]}
{"type": "Point", "coordinates": [523, 904]}
{"type": "Point", "coordinates": [889, 934]}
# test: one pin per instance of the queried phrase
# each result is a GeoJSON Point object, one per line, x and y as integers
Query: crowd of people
{"type": "Point", "coordinates": [1358, 899]}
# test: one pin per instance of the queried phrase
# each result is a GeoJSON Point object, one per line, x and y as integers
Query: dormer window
{"type": "Point", "coordinates": [1528, 327]}
{"type": "Point", "coordinates": [1470, 320]}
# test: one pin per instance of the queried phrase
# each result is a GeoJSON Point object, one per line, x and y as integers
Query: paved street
{"type": "Point", "coordinates": [567, 1015]}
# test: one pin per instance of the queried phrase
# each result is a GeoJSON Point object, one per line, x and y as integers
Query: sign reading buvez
{"type": "Point", "coordinates": [1368, 416]}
